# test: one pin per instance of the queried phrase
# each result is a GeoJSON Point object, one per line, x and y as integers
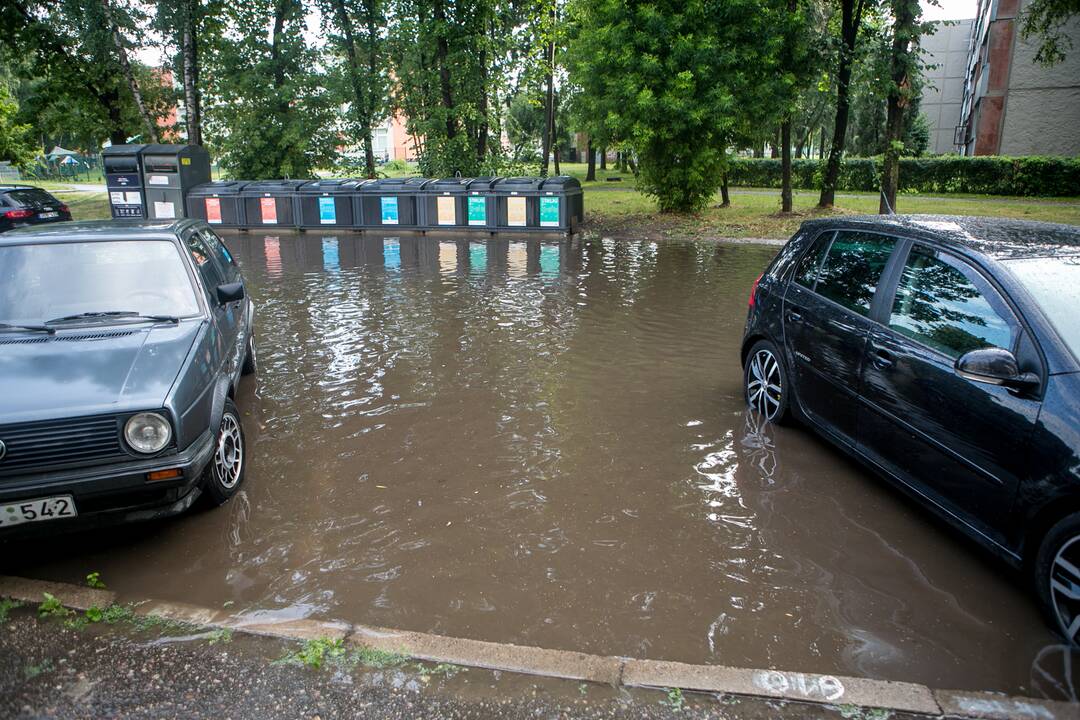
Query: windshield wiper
{"type": "Point", "coordinates": [110, 314]}
{"type": "Point", "coordinates": [37, 328]}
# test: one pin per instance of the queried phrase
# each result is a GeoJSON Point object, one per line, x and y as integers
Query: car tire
{"type": "Point", "coordinates": [1056, 575]}
{"type": "Point", "coordinates": [251, 362]}
{"type": "Point", "coordinates": [765, 382]}
{"type": "Point", "coordinates": [225, 474]}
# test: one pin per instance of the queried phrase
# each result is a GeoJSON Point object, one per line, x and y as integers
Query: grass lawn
{"type": "Point", "coordinates": [86, 205]}
{"type": "Point", "coordinates": [755, 214]}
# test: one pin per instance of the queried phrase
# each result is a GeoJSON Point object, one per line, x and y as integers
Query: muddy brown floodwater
{"type": "Point", "coordinates": [545, 443]}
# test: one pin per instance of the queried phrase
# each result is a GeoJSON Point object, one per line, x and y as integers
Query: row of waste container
{"type": "Point", "coordinates": [493, 204]}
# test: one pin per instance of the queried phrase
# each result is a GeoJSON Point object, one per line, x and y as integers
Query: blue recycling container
{"type": "Point", "coordinates": [392, 202]}
{"type": "Point", "coordinates": [329, 204]}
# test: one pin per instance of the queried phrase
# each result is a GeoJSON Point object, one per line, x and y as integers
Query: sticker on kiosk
{"type": "Point", "coordinates": [515, 211]}
{"type": "Point", "coordinates": [327, 211]}
{"type": "Point", "coordinates": [268, 208]}
{"type": "Point", "coordinates": [477, 210]}
{"type": "Point", "coordinates": [445, 208]}
{"type": "Point", "coordinates": [389, 210]}
{"type": "Point", "coordinates": [213, 211]}
{"type": "Point", "coordinates": [549, 212]}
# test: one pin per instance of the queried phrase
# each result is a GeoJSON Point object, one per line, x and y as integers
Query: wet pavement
{"type": "Point", "coordinates": [545, 443]}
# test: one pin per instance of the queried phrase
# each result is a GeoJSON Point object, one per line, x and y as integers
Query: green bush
{"type": "Point", "coordinates": [984, 175]}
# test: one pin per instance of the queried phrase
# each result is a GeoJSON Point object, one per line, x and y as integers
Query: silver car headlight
{"type": "Point", "coordinates": [147, 432]}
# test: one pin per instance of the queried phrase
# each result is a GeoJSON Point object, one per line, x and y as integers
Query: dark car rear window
{"type": "Point", "coordinates": [32, 197]}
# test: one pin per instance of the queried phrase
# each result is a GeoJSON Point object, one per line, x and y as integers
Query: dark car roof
{"type": "Point", "coordinates": [7, 187]}
{"type": "Point", "coordinates": [998, 238]}
{"type": "Point", "coordinates": [97, 230]}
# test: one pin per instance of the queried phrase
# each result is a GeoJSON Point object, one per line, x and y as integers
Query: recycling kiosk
{"type": "Point", "coordinates": [169, 173]}
{"type": "Point", "coordinates": [218, 203]}
{"type": "Point", "coordinates": [328, 203]}
{"type": "Point", "coordinates": [271, 203]}
{"type": "Point", "coordinates": [122, 165]}
{"type": "Point", "coordinates": [460, 203]}
{"type": "Point", "coordinates": [517, 205]}
{"type": "Point", "coordinates": [561, 204]}
{"type": "Point", "coordinates": [392, 202]}
{"type": "Point", "coordinates": [539, 204]}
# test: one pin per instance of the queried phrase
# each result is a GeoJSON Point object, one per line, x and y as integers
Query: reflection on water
{"type": "Point", "coordinates": [546, 443]}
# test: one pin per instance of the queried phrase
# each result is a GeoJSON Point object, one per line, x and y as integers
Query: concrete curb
{"type": "Point", "coordinates": [784, 685]}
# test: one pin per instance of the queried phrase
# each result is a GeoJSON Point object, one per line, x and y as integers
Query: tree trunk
{"type": "Point", "coordinates": [851, 12]}
{"type": "Point", "coordinates": [149, 126]}
{"type": "Point", "coordinates": [360, 96]}
{"type": "Point", "coordinates": [785, 165]}
{"type": "Point", "coordinates": [590, 174]}
{"type": "Point", "coordinates": [482, 109]}
{"type": "Point", "coordinates": [442, 51]}
{"type": "Point", "coordinates": [603, 158]}
{"type": "Point", "coordinates": [725, 197]}
{"type": "Point", "coordinates": [904, 14]}
{"type": "Point", "coordinates": [549, 97]}
{"type": "Point", "coordinates": [774, 146]}
{"type": "Point", "coordinates": [189, 51]}
{"type": "Point", "coordinates": [374, 26]}
{"type": "Point", "coordinates": [111, 102]}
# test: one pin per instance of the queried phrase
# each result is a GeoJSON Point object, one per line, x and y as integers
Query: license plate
{"type": "Point", "coordinates": [52, 508]}
{"type": "Point", "coordinates": [48, 215]}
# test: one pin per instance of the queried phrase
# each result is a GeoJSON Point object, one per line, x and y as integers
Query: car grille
{"type": "Point", "coordinates": [55, 444]}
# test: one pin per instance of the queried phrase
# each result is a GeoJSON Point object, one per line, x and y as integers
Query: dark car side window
{"type": "Point", "coordinates": [947, 306]}
{"type": "Point", "coordinates": [204, 262]}
{"type": "Point", "coordinates": [853, 269]}
{"type": "Point", "coordinates": [218, 246]}
{"type": "Point", "coordinates": [807, 272]}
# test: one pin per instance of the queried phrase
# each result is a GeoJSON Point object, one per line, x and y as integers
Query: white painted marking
{"type": "Point", "coordinates": [818, 687]}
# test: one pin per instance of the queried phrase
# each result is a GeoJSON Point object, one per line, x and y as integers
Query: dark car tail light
{"type": "Point", "coordinates": [64, 208]}
{"type": "Point", "coordinates": [18, 214]}
{"type": "Point", "coordinates": [753, 289]}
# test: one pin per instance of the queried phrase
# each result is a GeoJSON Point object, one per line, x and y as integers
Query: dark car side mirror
{"type": "Point", "coordinates": [230, 292]}
{"type": "Point", "coordinates": [995, 366]}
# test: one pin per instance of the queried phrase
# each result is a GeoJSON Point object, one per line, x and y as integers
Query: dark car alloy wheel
{"type": "Point", "coordinates": [1065, 588]}
{"type": "Point", "coordinates": [764, 383]}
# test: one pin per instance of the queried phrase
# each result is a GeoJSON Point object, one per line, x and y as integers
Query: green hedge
{"type": "Point", "coordinates": [987, 175]}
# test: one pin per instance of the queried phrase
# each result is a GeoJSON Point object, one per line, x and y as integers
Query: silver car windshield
{"type": "Point", "coordinates": [1054, 282]}
{"type": "Point", "coordinates": [51, 280]}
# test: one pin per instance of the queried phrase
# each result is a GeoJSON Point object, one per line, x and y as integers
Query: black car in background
{"type": "Point", "coordinates": [121, 349]}
{"type": "Point", "coordinates": [945, 353]}
{"type": "Point", "coordinates": [24, 205]}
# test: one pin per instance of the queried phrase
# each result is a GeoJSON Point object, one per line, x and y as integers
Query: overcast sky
{"type": "Point", "coordinates": [949, 9]}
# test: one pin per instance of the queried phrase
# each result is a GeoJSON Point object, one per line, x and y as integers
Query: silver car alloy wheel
{"type": "Point", "coordinates": [763, 385]}
{"type": "Point", "coordinates": [229, 456]}
{"type": "Point", "coordinates": [1065, 588]}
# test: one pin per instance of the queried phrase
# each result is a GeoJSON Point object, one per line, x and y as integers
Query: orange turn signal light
{"type": "Point", "coordinates": [165, 474]}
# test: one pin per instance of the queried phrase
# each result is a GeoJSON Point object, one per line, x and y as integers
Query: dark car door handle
{"type": "Point", "coordinates": [881, 356]}
{"type": "Point", "coordinates": [794, 315]}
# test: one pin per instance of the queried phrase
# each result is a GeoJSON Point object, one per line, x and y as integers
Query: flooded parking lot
{"type": "Point", "coordinates": [545, 443]}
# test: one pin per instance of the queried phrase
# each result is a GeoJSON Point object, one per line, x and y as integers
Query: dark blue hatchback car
{"type": "Point", "coordinates": [121, 349]}
{"type": "Point", "coordinates": [945, 353]}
